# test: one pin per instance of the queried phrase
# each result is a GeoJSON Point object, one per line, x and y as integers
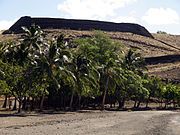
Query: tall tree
{"type": "Point", "coordinates": [86, 76]}
{"type": "Point", "coordinates": [106, 56]}
{"type": "Point", "coordinates": [134, 62]}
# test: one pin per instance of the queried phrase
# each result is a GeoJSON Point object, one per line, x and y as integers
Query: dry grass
{"type": "Point", "coordinates": [148, 46]}
{"type": "Point", "coordinates": [8, 37]}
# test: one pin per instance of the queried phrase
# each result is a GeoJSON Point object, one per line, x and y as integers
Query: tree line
{"type": "Point", "coordinates": [78, 73]}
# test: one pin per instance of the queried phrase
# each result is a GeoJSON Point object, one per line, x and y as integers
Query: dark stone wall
{"type": "Point", "coordinates": [162, 59]}
{"type": "Point", "coordinates": [57, 23]}
{"type": "Point", "coordinates": [16, 28]}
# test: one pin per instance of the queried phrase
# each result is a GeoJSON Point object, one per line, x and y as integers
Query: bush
{"type": "Point", "coordinates": [161, 32]}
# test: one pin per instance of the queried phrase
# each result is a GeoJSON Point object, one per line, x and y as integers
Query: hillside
{"type": "Point", "coordinates": [162, 52]}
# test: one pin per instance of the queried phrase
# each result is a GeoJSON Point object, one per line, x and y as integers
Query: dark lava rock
{"type": "Point", "coordinates": [72, 24]}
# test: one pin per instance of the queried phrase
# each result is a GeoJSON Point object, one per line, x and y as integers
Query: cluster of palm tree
{"type": "Point", "coordinates": [76, 73]}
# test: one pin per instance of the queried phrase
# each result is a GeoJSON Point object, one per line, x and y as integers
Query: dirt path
{"type": "Point", "coordinates": [94, 123]}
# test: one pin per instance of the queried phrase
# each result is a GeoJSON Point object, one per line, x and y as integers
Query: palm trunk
{"type": "Point", "coordinates": [15, 104]}
{"type": "Point", "coordinates": [105, 92]}
{"type": "Point", "coordinates": [20, 104]}
{"type": "Point", "coordinates": [24, 103]}
{"type": "Point", "coordinates": [121, 103]}
{"type": "Point", "coordinates": [160, 102]}
{"type": "Point", "coordinates": [79, 105]}
{"type": "Point", "coordinates": [166, 104]}
{"type": "Point", "coordinates": [139, 102]}
{"type": "Point", "coordinates": [32, 103]}
{"type": "Point", "coordinates": [53, 78]}
{"type": "Point", "coordinates": [10, 103]}
{"type": "Point", "coordinates": [41, 103]}
{"type": "Point", "coordinates": [5, 102]}
{"type": "Point", "coordinates": [79, 91]}
{"type": "Point", "coordinates": [135, 102]}
{"type": "Point", "coordinates": [174, 103]}
{"type": "Point", "coordinates": [62, 103]}
{"type": "Point", "coordinates": [71, 101]}
{"type": "Point", "coordinates": [147, 103]}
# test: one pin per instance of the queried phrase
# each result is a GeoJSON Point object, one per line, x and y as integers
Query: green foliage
{"type": "Point", "coordinates": [134, 62]}
{"type": "Point", "coordinates": [105, 54]}
{"type": "Point", "coordinates": [161, 32]}
{"type": "Point", "coordinates": [4, 88]}
{"type": "Point", "coordinates": [154, 85]}
{"type": "Point", "coordinates": [171, 92]}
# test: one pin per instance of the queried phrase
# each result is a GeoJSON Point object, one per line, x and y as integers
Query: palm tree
{"type": "Point", "coordinates": [85, 75]}
{"type": "Point", "coordinates": [33, 38]}
{"type": "Point", "coordinates": [53, 60]}
{"type": "Point", "coordinates": [134, 62]}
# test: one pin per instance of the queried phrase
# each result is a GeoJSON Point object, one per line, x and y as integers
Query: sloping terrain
{"type": "Point", "coordinates": [162, 52]}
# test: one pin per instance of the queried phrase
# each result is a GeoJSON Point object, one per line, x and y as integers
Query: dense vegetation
{"type": "Point", "coordinates": [161, 32]}
{"type": "Point", "coordinates": [73, 74]}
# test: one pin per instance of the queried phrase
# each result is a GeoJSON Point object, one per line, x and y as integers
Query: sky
{"type": "Point", "coordinates": [155, 15]}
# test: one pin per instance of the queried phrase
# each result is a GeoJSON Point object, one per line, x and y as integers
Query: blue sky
{"type": "Point", "coordinates": [155, 15]}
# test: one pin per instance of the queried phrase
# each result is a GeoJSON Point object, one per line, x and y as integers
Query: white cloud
{"type": "Point", "coordinates": [161, 16]}
{"type": "Point", "coordinates": [4, 24]}
{"type": "Point", "coordinates": [130, 18]}
{"type": "Point", "coordinates": [92, 9]}
{"type": "Point", "coordinates": [125, 19]}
